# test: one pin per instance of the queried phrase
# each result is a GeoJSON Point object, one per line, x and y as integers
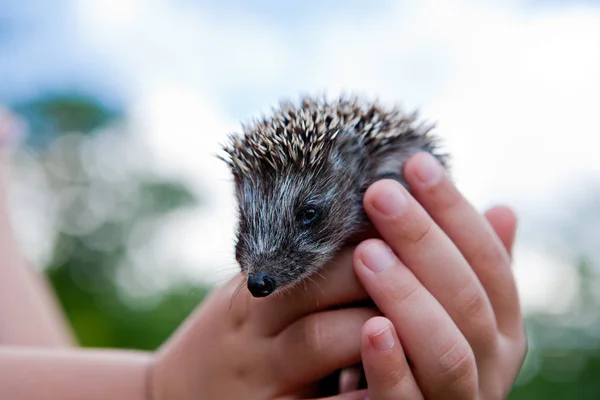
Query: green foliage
{"type": "Point", "coordinates": [564, 354]}
{"type": "Point", "coordinates": [52, 114]}
{"type": "Point", "coordinates": [101, 320]}
{"type": "Point", "coordinates": [91, 251]}
{"type": "Point", "coordinates": [548, 383]}
{"type": "Point", "coordinates": [162, 197]}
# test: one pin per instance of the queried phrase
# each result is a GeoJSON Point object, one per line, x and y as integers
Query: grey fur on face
{"type": "Point", "coordinates": [300, 176]}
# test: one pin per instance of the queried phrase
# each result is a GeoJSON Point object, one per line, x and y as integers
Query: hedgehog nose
{"type": "Point", "coordinates": [261, 285]}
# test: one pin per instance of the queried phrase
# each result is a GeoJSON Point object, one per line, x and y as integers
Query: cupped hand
{"type": "Point", "coordinates": [441, 276]}
{"type": "Point", "coordinates": [239, 347]}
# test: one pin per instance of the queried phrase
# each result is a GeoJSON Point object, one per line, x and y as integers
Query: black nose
{"type": "Point", "coordinates": [261, 285]}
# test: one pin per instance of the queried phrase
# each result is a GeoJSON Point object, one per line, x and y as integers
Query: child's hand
{"type": "Point", "coordinates": [444, 283]}
{"type": "Point", "coordinates": [239, 347]}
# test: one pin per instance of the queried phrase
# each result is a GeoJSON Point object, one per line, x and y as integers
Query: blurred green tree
{"type": "Point", "coordinates": [52, 114]}
{"type": "Point", "coordinates": [564, 356]}
{"type": "Point", "coordinates": [91, 250]}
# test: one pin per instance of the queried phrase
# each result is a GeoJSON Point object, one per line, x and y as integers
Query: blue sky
{"type": "Point", "coordinates": [38, 52]}
{"type": "Point", "coordinates": [40, 49]}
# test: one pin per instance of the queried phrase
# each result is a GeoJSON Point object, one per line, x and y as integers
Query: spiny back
{"type": "Point", "coordinates": [302, 135]}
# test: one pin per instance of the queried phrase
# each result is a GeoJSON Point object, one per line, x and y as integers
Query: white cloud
{"type": "Point", "coordinates": [185, 134]}
{"type": "Point", "coordinates": [539, 277]}
{"type": "Point", "coordinates": [520, 112]}
{"type": "Point", "coordinates": [154, 41]}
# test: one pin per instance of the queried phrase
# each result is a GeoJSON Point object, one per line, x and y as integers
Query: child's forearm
{"type": "Point", "coordinates": [29, 312]}
{"type": "Point", "coordinates": [35, 373]}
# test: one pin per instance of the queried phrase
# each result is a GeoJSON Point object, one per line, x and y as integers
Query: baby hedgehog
{"type": "Point", "coordinates": [300, 176]}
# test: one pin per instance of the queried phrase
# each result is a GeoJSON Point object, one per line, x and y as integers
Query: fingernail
{"type": "Point", "coordinates": [383, 340]}
{"type": "Point", "coordinates": [391, 200]}
{"type": "Point", "coordinates": [378, 257]}
{"type": "Point", "coordinates": [429, 171]}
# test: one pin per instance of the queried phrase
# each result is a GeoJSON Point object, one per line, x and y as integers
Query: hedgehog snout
{"type": "Point", "coordinates": [261, 284]}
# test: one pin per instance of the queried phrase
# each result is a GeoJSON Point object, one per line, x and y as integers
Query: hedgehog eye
{"type": "Point", "coordinates": [309, 215]}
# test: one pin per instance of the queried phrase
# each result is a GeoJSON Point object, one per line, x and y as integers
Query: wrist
{"type": "Point", "coordinates": [165, 380]}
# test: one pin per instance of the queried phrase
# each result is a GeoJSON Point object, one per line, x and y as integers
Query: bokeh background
{"type": "Point", "coordinates": [117, 195]}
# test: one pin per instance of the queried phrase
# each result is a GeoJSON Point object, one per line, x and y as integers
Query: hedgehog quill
{"type": "Point", "coordinates": [300, 175]}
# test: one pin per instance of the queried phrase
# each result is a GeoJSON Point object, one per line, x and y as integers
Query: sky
{"type": "Point", "coordinates": [512, 85]}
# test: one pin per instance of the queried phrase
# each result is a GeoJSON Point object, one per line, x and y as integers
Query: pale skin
{"type": "Point", "coordinates": [450, 306]}
{"type": "Point", "coordinates": [442, 279]}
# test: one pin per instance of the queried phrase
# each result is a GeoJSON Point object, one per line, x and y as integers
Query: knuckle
{"type": "Point", "coordinates": [457, 364]}
{"type": "Point", "coordinates": [312, 336]}
{"type": "Point", "coordinates": [474, 308]}
{"type": "Point", "coordinates": [393, 376]}
{"type": "Point", "coordinates": [471, 301]}
{"type": "Point", "coordinates": [403, 293]}
{"type": "Point", "coordinates": [332, 332]}
{"type": "Point", "coordinates": [317, 335]}
{"type": "Point", "coordinates": [445, 195]}
{"type": "Point", "coordinates": [414, 232]}
{"type": "Point", "coordinates": [491, 255]}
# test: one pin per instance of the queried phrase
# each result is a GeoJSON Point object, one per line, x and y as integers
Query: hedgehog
{"type": "Point", "coordinates": [300, 175]}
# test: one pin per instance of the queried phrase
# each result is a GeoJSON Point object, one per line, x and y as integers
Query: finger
{"type": "Point", "coordinates": [388, 374]}
{"type": "Point", "coordinates": [358, 395]}
{"type": "Point", "coordinates": [434, 259]}
{"type": "Point", "coordinates": [349, 379]}
{"type": "Point", "coordinates": [317, 345]}
{"type": "Point", "coordinates": [470, 232]}
{"type": "Point", "coordinates": [443, 360]}
{"type": "Point", "coordinates": [504, 222]}
{"type": "Point", "coordinates": [333, 286]}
